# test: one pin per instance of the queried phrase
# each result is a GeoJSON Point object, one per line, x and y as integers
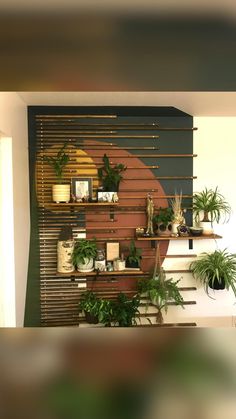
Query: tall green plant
{"type": "Point", "coordinates": [58, 162]}
{"type": "Point", "coordinates": [110, 176]}
{"type": "Point", "coordinates": [135, 254]}
{"type": "Point", "coordinates": [164, 216]}
{"type": "Point", "coordinates": [212, 204]}
{"type": "Point", "coordinates": [219, 266]}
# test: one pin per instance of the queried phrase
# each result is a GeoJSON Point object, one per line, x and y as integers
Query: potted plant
{"type": "Point", "coordinates": [110, 176]}
{"type": "Point", "coordinates": [90, 304]}
{"type": "Point", "coordinates": [125, 310]}
{"type": "Point", "coordinates": [134, 258]}
{"type": "Point", "coordinates": [159, 291]}
{"type": "Point", "coordinates": [215, 270]}
{"type": "Point", "coordinates": [163, 221]}
{"type": "Point", "coordinates": [60, 191]}
{"type": "Point", "coordinates": [83, 255]}
{"type": "Point", "coordinates": [213, 206]}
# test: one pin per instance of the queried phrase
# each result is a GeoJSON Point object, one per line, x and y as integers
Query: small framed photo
{"type": "Point", "coordinates": [107, 196]}
{"type": "Point", "coordinates": [82, 189]}
{"type": "Point", "coordinates": [112, 251]}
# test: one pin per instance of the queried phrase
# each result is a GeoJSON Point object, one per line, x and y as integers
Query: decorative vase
{"type": "Point", "coordinates": [64, 252]}
{"type": "Point", "coordinates": [85, 267]}
{"type": "Point", "coordinates": [175, 229]}
{"type": "Point", "coordinates": [61, 193]}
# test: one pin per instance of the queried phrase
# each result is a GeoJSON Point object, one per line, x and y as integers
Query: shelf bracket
{"type": "Point", "coordinates": [190, 244]}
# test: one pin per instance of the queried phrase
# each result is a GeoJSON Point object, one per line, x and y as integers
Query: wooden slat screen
{"type": "Point", "coordinates": [88, 137]}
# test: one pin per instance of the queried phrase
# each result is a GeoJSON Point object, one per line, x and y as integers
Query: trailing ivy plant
{"type": "Point", "coordinates": [58, 162]}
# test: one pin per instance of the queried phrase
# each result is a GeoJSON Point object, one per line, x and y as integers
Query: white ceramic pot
{"type": "Point", "coordinates": [207, 228]}
{"type": "Point", "coordinates": [61, 193]}
{"type": "Point", "coordinates": [175, 228]}
{"type": "Point", "coordinates": [64, 253]}
{"type": "Point", "coordinates": [85, 267]}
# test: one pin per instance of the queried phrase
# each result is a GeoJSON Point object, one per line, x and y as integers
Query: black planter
{"type": "Point", "coordinates": [217, 285]}
{"type": "Point", "coordinates": [129, 264]}
{"type": "Point", "coordinates": [90, 318]}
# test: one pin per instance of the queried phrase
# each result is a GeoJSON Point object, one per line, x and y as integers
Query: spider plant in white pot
{"type": "Point", "coordinates": [209, 206]}
{"type": "Point", "coordinates": [60, 191]}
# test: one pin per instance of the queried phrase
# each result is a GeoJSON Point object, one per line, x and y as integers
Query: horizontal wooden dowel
{"type": "Point", "coordinates": [98, 136]}
{"type": "Point", "coordinates": [73, 116]}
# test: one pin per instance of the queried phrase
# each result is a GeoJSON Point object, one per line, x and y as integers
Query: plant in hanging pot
{"type": "Point", "coordinates": [109, 176]}
{"type": "Point", "coordinates": [125, 310]}
{"type": "Point", "coordinates": [210, 205]}
{"type": "Point", "coordinates": [160, 291]}
{"type": "Point", "coordinates": [163, 221]}
{"type": "Point", "coordinates": [134, 257]}
{"type": "Point", "coordinates": [60, 191]}
{"type": "Point", "coordinates": [215, 270]}
{"type": "Point", "coordinates": [84, 254]}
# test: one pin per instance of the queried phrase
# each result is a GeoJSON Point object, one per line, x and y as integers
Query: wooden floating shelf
{"type": "Point", "coordinates": [158, 238]}
{"type": "Point", "coordinates": [106, 273]}
{"type": "Point", "coordinates": [83, 204]}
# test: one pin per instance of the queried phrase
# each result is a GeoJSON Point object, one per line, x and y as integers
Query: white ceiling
{"type": "Point", "coordinates": [193, 103]}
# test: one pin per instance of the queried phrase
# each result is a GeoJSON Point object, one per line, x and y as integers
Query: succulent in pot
{"type": "Point", "coordinates": [134, 257]}
{"type": "Point", "coordinates": [215, 270]}
{"type": "Point", "coordinates": [163, 221]}
{"type": "Point", "coordinates": [110, 176]}
{"type": "Point", "coordinates": [84, 254]}
{"type": "Point", "coordinates": [210, 206]}
{"type": "Point", "coordinates": [60, 191]}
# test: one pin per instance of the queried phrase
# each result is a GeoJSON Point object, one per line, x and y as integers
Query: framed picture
{"type": "Point", "coordinates": [107, 196]}
{"type": "Point", "coordinates": [82, 189]}
{"type": "Point", "coordinates": [112, 251]}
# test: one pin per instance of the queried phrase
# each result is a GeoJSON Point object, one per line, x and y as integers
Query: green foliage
{"type": "Point", "coordinates": [97, 307]}
{"type": "Point", "coordinates": [110, 176]}
{"type": "Point", "coordinates": [121, 312]}
{"type": "Point", "coordinates": [160, 291]}
{"type": "Point", "coordinates": [58, 162]}
{"type": "Point", "coordinates": [84, 249]}
{"type": "Point", "coordinates": [89, 303]}
{"type": "Point", "coordinates": [125, 309]}
{"type": "Point", "coordinates": [134, 253]}
{"type": "Point", "coordinates": [217, 266]}
{"type": "Point", "coordinates": [164, 216]}
{"type": "Point", "coordinates": [212, 204]}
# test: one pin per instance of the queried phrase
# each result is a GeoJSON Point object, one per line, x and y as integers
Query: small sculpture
{"type": "Point", "coordinates": [150, 212]}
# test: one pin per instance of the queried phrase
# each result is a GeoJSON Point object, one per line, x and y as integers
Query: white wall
{"type": "Point", "coordinates": [215, 145]}
{"type": "Point", "coordinates": [13, 123]}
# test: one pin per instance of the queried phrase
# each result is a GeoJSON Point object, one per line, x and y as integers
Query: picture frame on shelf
{"type": "Point", "coordinates": [107, 196]}
{"type": "Point", "coordinates": [112, 251]}
{"type": "Point", "coordinates": [82, 189]}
